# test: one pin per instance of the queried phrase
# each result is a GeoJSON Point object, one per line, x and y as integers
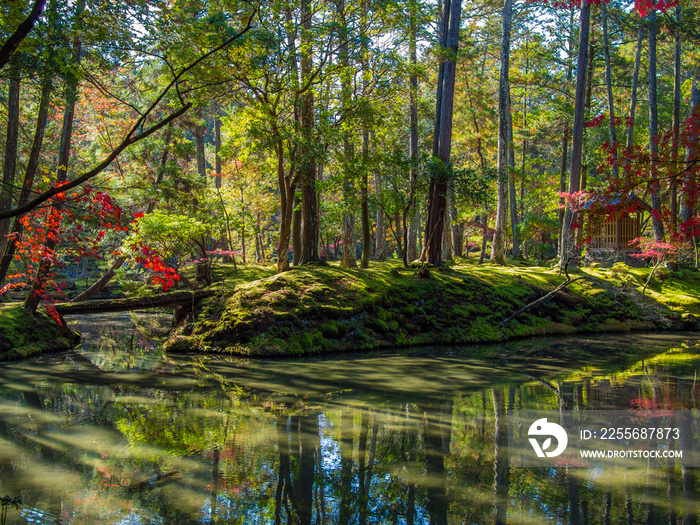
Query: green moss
{"type": "Point", "coordinates": [326, 308]}
{"type": "Point", "coordinates": [23, 334]}
{"type": "Point", "coordinates": [377, 325]}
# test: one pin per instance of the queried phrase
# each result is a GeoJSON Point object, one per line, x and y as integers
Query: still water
{"type": "Point", "coordinates": [117, 433]}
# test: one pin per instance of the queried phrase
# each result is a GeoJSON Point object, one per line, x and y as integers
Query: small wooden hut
{"type": "Point", "coordinates": [617, 234]}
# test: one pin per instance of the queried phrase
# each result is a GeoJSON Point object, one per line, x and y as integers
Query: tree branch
{"type": "Point", "coordinates": [22, 31]}
{"type": "Point", "coordinates": [131, 137]}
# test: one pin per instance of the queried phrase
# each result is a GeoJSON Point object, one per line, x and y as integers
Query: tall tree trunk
{"type": "Point", "coordinates": [437, 198]}
{"type": "Point", "coordinates": [675, 147]}
{"type": "Point", "coordinates": [565, 138]}
{"type": "Point", "coordinates": [399, 236]}
{"type": "Point", "coordinates": [380, 241]}
{"type": "Point", "coordinates": [364, 180]}
{"type": "Point", "coordinates": [562, 176]}
{"type": "Point", "coordinates": [29, 175]}
{"type": "Point", "coordinates": [10, 164]}
{"type": "Point", "coordinates": [217, 144]}
{"type": "Point", "coordinates": [296, 230]}
{"type": "Point", "coordinates": [567, 235]}
{"type": "Point", "coordinates": [513, 207]}
{"type": "Point", "coordinates": [364, 202]}
{"type": "Point", "coordinates": [414, 224]}
{"type": "Point", "coordinates": [654, 188]}
{"type": "Point", "coordinates": [457, 229]}
{"type": "Point", "coordinates": [512, 202]}
{"type": "Point", "coordinates": [199, 142]}
{"type": "Point", "coordinates": [447, 248]}
{"type": "Point", "coordinates": [287, 186]}
{"type": "Point", "coordinates": [309, 203]}
{"type": "Point", "coordinates": [586, 117]}
{"type": "Point", "coordinates": [348, 162]}
{"type": "Point", "coordinates": [498, 246]}
{"type": "Point", "coordinates": [484, 235]}
{"type": "Point", "coordinates": [691, 156]}
{"type": "Point", "coordinates": [296, 217]}
{"type": "Point", "coordinates": [633, 97]}
{"type": "Point", "coordinates": [37, 290]}
{"type": "Point", "coordinates": [608, 85]}
{"type": "Point", "coordinates": [443, 29]}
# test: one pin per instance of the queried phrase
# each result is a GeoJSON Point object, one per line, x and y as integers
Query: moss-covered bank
{"type": "Point", "coordinates": [24, 335]}
{"type": "Point", "coordinates": [329, 309]}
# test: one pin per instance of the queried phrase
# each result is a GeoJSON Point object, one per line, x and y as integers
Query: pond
{"type": "Point", "coordinates": [117, 433]}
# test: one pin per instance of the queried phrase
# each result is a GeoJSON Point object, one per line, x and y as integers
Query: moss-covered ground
{"type": "Point", "coordinates": [24, 335]}
{"type": "Point", "coordinates": [318, 309]}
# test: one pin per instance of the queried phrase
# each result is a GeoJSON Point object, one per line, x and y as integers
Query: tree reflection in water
{"type": "Point", "coordinates": [327, 442]}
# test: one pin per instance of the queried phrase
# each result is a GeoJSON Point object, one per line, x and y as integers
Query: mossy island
{"type": "Point", "coordinates": [317, 309]}
{"type": "Point", "coordinates": [324, 309]}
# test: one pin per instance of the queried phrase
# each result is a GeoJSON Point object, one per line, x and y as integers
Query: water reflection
{"type": "Point", "coordinates": [117, 433]}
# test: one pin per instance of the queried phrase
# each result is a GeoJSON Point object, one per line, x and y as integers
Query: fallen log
{"type": "Point", "coordinates": [163, 300]}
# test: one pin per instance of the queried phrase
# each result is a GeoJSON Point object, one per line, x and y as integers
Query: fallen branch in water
{"type": "Point", "coordinates": [566, 283]}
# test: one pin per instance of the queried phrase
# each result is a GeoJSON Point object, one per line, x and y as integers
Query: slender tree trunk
{"type": "Point", "coordinates": [296, 230]}
{"type": "Point", "coordinates": [380, 241]}
{"type": "Point", "coordinates": [217, 144]}
{"type": "Point", "coordinates": [309, 203]}
{"type": "Point", "coordinates": [513, 211]}
{"type": "Point", "coordinates": [442, 34]}
{"type": "Point", "coordinates": [364, 202]}
{"type": "Point", "coordinates": [688, 202]}
{"type": "Point", "coordinates": [296, 217]}
{"type": "Point", "coordinates": [399, 236]}
{"type": "Point", "coordinates": [498, 246]}
{"type": "Point", "coordinates": [675, 147]}
{"type": "Point", "coordinates": [447, 248]}
{"type": "Point", "coordinates": [654, 188]}
{"type": "Point", "coordinates": [586, 117]}
{"type": "Point", "coordinates": [565, 138]}
{"type": "Point", "coordinates": [364, 180]}
{"type": "Point", "coordinates": [457, 229]}
{"type": "Point", "coordinates": [10, 164]}
{"type": "Point", "coordinates": [562, 174]}
{"type": "Point", "coordinates": [484, 236]}
{"type": "Point", "coordinates": [512, 202]}
{"type": "Point", "coordinates": [102, 281]}
{"type": "Point", "coordinates": [633, 98]}
{"type": "Point", "coordinates": [199, 141]}
{"type": "Point", "coordinates": [348, 162]}
{"type": "Point", "coordinates": [412, 247]}
{"type": "Point", "coordinates": [30, 173]}
{"type": "Point", "coordinates": [567, 234]}
{"type": "Point", "coordinates": [37, 290]}
{"type": "Point", "coordinates": [437, 198]}
{"type": "Point", "coordinates": [608, 85]}
{"type": "Point", "coordinates": [287, 187]}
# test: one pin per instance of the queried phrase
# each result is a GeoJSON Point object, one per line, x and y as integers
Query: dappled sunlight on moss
{"type": "Point", "coordinates": [331, 309]}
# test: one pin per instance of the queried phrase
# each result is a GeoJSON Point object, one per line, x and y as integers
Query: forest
{"type": "Point", "coordinates": [292, 261]}
{"type": "Point", "coordinates": [171, 143]}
